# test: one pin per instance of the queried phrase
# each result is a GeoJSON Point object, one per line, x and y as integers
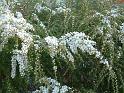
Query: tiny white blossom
{"type": "Point", "coordinates": [52, 44]}
{"type": "Point", "coordinates": [62, 10]}
{"type": "Point", "coordinates": [64, 89]}
{"type": "Point", "coordinates": [122, 27]}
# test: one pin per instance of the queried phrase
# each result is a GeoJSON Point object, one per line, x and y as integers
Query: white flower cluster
{"type": "Point", "coordinates": [122, 27]}
{"type": "Point", "coordinates": [106, 21]}
{"type": "Point", "coordinates": [3, 2]}
{"type": "Point", "coordinates": [53, 86]}
{"type": "Point", "coordinates": [39, 8]}
{"type": "Point", "coordinates": [114, 12]}
{"type": "Point", "coordinates": [60, 2]}
{"type": "Point", "coordinates": [73, 41]}
{"type": "Point", "coordinates": [21, 58]}
{"type": "Point", "coordinates": [55, 3]}
{"type": "Point", "coordinates": [121, 36]}
{"type": "Point", "coordinates": [106, 18]}
{"type": "Point", "coordinates": [63, 10]}
{"type": "Point", "coordinates": [15, 26]}
{"type": "Point", "coordinates": [53, 44]}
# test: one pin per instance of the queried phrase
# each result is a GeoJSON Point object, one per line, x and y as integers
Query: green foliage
{"type": "Point", "coordinates": [86, 74]}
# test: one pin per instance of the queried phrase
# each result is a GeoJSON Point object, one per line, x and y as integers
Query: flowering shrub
{"type": "Point", "coordinates": [61, 46]}
{"type": "Point", "coordinates": [16, 26]}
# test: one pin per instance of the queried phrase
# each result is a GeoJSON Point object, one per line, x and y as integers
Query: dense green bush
{"type": "Point", "coordinates": [61, 46]}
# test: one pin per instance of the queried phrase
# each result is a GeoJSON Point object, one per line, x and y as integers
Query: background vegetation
{"type": "Point", "coordinates": [101, 20]}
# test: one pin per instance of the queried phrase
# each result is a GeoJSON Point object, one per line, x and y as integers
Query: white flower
{"type": "Point", "coordinates": [114, 12]}
{"type": "Point", "coordinates": [12, 26]}
{"type": "Point", "coordinates": [71, 42]}
{"type": "Point", "coordinates": [122, 27]}
{"type": "Point", "coordinates": [106, 21]}
{"type": "Point", "coordinates": [60, 2]}
{"type": "Point", "coordinates": [78, 40]}
{"type": "Point", "coordinates": [13, 65]}
{"type": "Point", "coordinates": [98, 54]}
{"type": "Point", "coordinates": [3, 2]}
{"type": "Point", "coordinates": [104, 61]}
{"type": "Point", "coordinates": [27, 40]}
{"type": "Point", "coordinates": [42, 25]}
{"type": "Point", "coordinates": [56, 89]}
{"type": "Point", "coordinates": [21, 59]}
{"type": "Point", "coordinates": [52, 44]}
{"type": "Point", "coordinates": [52, 85]}
{"type": "Point", "coordinates": [55, 68]}
{"type": "Point", "coordinates": [62, 10]}
{"type": "Point", "coordinates": [44, 89]}
{"type": "Point", "coordinates": [18, 15]}
{"type": "Point", "coordinates": [39, 8]}
{"type": "Point", "coordinates": [64, 89]}
{"type": "Point", "coordinates": [100, 29]}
